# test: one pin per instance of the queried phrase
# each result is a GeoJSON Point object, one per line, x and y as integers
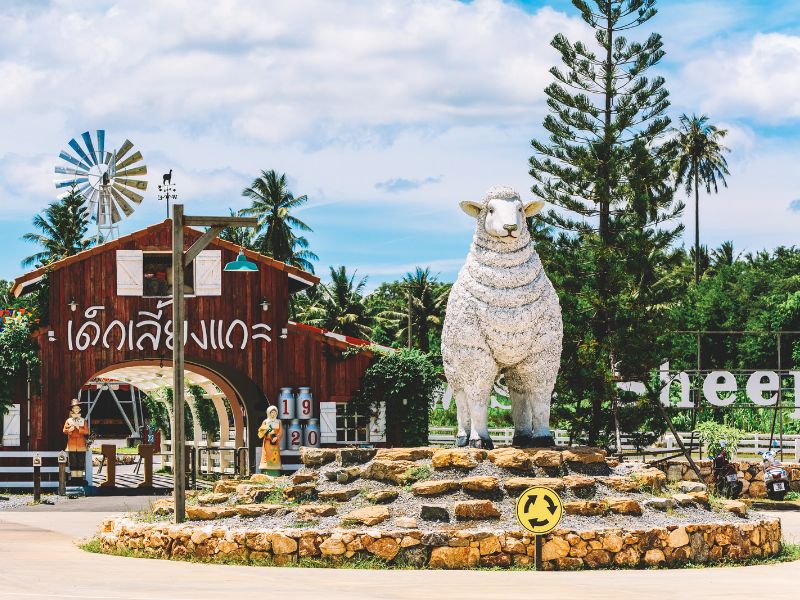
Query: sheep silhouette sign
{"type": "Point", "coordinates": [503, 317]}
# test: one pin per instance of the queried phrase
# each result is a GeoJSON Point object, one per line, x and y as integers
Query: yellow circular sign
{"type": "Point", "coordinates": [539, 509]}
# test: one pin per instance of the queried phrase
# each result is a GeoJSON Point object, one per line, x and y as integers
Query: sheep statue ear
{"type": "Point", "coordinates": [531, 208]}
{"type": "Point", "coordinates": [473, 209]}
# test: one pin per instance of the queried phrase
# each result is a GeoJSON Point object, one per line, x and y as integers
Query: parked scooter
{"type": "Point", "coordinates": [726, 480]}
{"type": "Point", "coordinates": [776, 479]}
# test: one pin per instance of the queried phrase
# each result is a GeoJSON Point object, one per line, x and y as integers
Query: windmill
{"type": "Point", "coordinates": [103, 178]}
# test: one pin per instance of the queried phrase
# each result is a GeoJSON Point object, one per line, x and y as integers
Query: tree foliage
{"type": "Point", "coordinates": [19, 357]}
{"type": "Point", "coordinates": [60, 231]}
{"type": "Point", "coordinates": [338, 305]}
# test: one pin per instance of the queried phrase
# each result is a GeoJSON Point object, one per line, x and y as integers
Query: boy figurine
{"type": "Point", "coordinates": [77, 430]}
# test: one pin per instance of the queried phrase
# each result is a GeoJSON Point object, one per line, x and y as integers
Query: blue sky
{"type": "Point", "coordinates": [385, 113]}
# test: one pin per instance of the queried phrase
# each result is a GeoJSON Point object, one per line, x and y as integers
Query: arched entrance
{"type": "Point", "coordinates": [236, 400]}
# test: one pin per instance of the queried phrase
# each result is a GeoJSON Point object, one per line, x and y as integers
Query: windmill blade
{"type": "Point", "coordinates": [70, 171]}
{"type": "Point", "coordinates": [87, 139]}
{"type": "Point", "coordinates": [115, 216]}
{"type": "Point", "coordinates": [101, 143]}
{"type": "Point", "coordinates": [92, 204]}
{"type": "Point", "coordinates": [79, 151]}
{"type": "Point", "coordinates": [108, 158]}
{"type": "Point", "coordinates": [71, 182]}
{"type": "Point", "coordinates": [71, 159]}
{"type": "Point", "coordinates": [123, 204]}
{"type": "Point", "coordinates": [134, 183]}
{"type": "Point", "coordinates": [130, 172]}
{"type": "Point", "coordinates": [126, 145]}
{"type": "Point", "coordinates": [133, 158]}
{"type": "Point", "coordinates": [133, 196]}
{"type": "Point", "coordinates": [83, 190]}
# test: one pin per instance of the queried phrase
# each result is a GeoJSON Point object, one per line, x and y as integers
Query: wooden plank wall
{"type": "Point", "coordinates": [304, 359]}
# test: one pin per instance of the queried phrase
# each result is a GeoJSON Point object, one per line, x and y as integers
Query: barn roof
{"type": "Point", "coordinates": [302, 279]}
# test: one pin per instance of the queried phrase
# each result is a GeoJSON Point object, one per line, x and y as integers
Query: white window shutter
{"type": "Point", "coordinates": [327, 422]}
{"type": "Point", "coordinates": [130, 272]}
{"type": "Point", "coordinates": [377, 424]}
{"type": "Point", "coordinates": [10, 427]}
{"type": "Point", "coordinates": [208, 273]}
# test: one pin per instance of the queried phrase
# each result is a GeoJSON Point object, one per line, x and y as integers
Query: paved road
{"type": "Point", "coordinates": [39, 560]}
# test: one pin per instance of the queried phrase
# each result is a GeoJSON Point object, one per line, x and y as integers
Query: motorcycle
{"type": "Point", "coordinates": [776, 479]}
{"type": "Point", "coordinates": [726, 480]}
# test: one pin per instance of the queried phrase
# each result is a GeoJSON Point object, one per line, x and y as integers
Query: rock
{"type": "Point", "coordinates": [650, 477]}
{"type": "Point", "coordinates": [757, 489]}
{"type": "Point", "coordinates": [253, 493]}
{"type": "Point", "coordinates": [345, 476]}
{"type": "Point", "coordinates": [700, 497]}
{"type": "Point", "coordinates": [316, 457]}
{"type": "Point", "coordinates": [623, 506]}
{"type": "Point", "coordinates": [207, 513]}
{"type": "Point", "coordinates": [580, 485]}
{"type": "Point", "coordinates": [678, 538]}
{"type": "Point", "coordinates": [476, 509]}
{"type": "Point", "coordinates": [683, 499]}
{"type": "Point", "coordinates": [213, 498]}
{"type": "Point", "coordinates": [658, 503]}
{"type": "Point", "coordinates": [163, 506]}
{"type": "Point", "coordinates": [454, 558]}
{"type": "Point", "coordinates": [339, 495]}
{"type": "Point", "coordinates": [480, 484]}
{"type": "Point", "coordinates": [584, 455]}
{"type": "Point", "coordinates": [261, 478]}
{"type": "Point", "coordinates": [398, 472]}
{"type": "Point", "coordinates": [434, 513]}
{"type": "Point", "coordinates": [735, 506]}
{"type": "Point", "coordinates": [282, 544]}
{"type": "Point", "coordinates": [304, 477]}
{"type": "Point", "coordinates": [333, 546]}
{"type": "Point", "coordinates": [629, 557]}
{"type": "Point", "coordinates": [555, 548]}
{"type": "Point", "coordinates": [613, 542]}
{"type": "Point", "coordinates": [385, 548]}
{"type": "Point", "coordinates": [226, 486]}
{"type": "Point", "coordinates": [356, 456]}
{"type": "Point", "coordinates": [654, 557]}
{"type": "Point", "coordinates": [691, 486]}
{"type": "Point", "coordinates": [500, 559]}
{"type": "Point", "coordinates": [510, 458]}
{"type": "Point", "coordinates": [436, 538]}
{"type": "Point", "coordinates": [568, 563]}
{"type": "Point", "coordinates": [406, 522]}
{"type": "Point", "coordinates": [369, 515]}
{"type": "Point", "coordinates": [621, 484]}
{"type": "Point", "coordinates": [489, 545]}
{"type": "Point", "coordinates": [459, 458]}
{"type": "Point", "coordinates": [306, 512]}
{"type": "Point", "coordinates": [544, 458]}
{"type": "Point", "coordinates": [298, 491]}
{"type": "Point", "coordinates": [597, 558]}
{"type": "Point", "coordinates": [434, 487]}
{"type": "Point", "coordinates": [382, 496]}
{"type": "Point", "coordinates": [257, 510]}
{"type": "Point", "coordinates": [515, 546]}
{"type": "Point", "coordinates": [674, 474]}
{"type": "Point", "coordinates": [405, 453]}
{"type": "Point", "coordinates": [587, 508]}
{"type": "Point", "coordinates": [515, 485]}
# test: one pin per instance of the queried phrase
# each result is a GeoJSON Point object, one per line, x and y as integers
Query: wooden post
{"type": "Point", "coordinates": [146, 452]}
{"type": "Point", "coordinates": [110, 456]}
{"type": "Point", "coordinates": [178, 441]}
{"type": "Point", "coordinates": [37, 478]}
{"type": "Point", "coordinates": [538, 557]}
{"type": "Point", "coordinates": [62, 473]}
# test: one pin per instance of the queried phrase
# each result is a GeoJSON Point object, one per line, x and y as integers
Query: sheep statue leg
{"type": "Point", "coordinates": [477, 398]}
{"type": "Point", "coordinates": [530, 387]}
{"type": "Point", "coordinates": [462, 412]}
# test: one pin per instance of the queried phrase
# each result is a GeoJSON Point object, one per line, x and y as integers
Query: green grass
{"type": "Point", "coordinates": [792, 496]}
{"type": "Point", "coordinates": [420, 472]}
{"type": "Point", "coordinates": [789, 552]}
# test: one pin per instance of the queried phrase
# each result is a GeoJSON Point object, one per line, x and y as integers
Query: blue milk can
{"type": "Point", "coordinates": [311, 434]}
{"type": "Point", "coordinates": [294, 435]}
{"type": "Point", "coordinates": [305, 403]}
{"type": "Point", "coordinates": [286, 404]}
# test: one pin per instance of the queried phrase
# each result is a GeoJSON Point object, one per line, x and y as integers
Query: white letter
{"type": "Point", "coordinates": [755, 387]}
{"type": "Point", "coordinates": [712, 385]}
{"type": "Point", "coordinates": [666, 381]}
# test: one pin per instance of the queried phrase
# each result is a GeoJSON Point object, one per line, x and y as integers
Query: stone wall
{"type": "Point", "coordinates": [751, 474]}
{"type": "Point", "coordinates": [561, 550]}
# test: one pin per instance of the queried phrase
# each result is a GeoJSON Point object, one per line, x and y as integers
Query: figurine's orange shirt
{"type": "Point", "coordinates": [76, 439]}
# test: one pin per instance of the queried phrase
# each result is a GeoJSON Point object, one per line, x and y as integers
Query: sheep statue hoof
{"type": "Point", "coordinates": [503, 317]}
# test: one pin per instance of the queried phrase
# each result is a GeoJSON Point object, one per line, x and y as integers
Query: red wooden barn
{"type": "Point", "coordinates": [109, 320]}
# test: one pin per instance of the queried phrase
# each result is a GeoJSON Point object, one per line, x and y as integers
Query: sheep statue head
{"type": "Point", "coordinates": [503, 317]}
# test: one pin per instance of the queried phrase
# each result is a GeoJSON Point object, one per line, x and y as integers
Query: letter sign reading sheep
{"type": "Point", "coordinates": [503, 316]}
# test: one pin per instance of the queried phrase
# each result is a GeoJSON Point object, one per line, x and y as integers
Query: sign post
{"type": "Point", "coordinates": [539, 510]}
{"type": "Point", "coordinates": [62, 473]}
{"type": "Point", "coordinates": [37, 478]}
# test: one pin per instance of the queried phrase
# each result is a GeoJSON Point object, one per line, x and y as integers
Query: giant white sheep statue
{"type": "Point", "coordinates": [503, 316]}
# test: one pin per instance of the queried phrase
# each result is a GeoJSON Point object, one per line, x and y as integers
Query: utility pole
{"type": "Point", "coordinates": [179, 261]}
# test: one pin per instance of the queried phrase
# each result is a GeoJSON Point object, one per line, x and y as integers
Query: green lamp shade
{"type": "Point", "coordinates": [241, 264]}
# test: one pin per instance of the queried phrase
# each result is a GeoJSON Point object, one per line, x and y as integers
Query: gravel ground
{"type": "Point", "coordinates": [17, 501]}
{"type": "Point", "coordinates": [408, 505]}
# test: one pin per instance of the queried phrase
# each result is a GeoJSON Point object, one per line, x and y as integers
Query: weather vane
{"type": "Point", "coordinates": [167, 190]}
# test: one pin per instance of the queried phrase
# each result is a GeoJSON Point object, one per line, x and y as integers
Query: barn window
{"type": "Point", "coordinates": [350, 425]}
{"type": "Point", "coordinates": [149, 274]}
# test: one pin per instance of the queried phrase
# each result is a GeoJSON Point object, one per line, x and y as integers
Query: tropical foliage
{"type": "Point", "coordinates": [18, 357]}
{"type": "Point", "coordinates": [338, 305]}
{"type": "Point", "coordinates": [60, 231]}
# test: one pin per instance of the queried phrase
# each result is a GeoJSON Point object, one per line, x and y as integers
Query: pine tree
{"type": "Point", "coordinates": [62, 230]}
{"type": "Point", "coordinates": [606, 169]}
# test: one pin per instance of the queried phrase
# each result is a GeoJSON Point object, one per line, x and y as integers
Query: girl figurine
{"type": "Point", "coordinates": [271, 431]}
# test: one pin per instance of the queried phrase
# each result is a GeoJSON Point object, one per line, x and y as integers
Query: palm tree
{"type": "Point", "coordinates": [425, 301]}
{"type": "Point", "coordinates": [724, 255]}
{"type": "Point", "coordinates": [62, 230]}
{"type": "Point", "coordinates": [340, 306]}
{"type": "Point", "coordinates": [271, 204]}
{"type": "Point", "coordinates": [244, 237]}
{"type": "Point", "coordinates": [700, 161]}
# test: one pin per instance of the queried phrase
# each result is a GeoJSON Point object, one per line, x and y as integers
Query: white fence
{"type": "Point", "coordinates": [751, 444]}
{"type": "Point", "coordinates": [23, 474]}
